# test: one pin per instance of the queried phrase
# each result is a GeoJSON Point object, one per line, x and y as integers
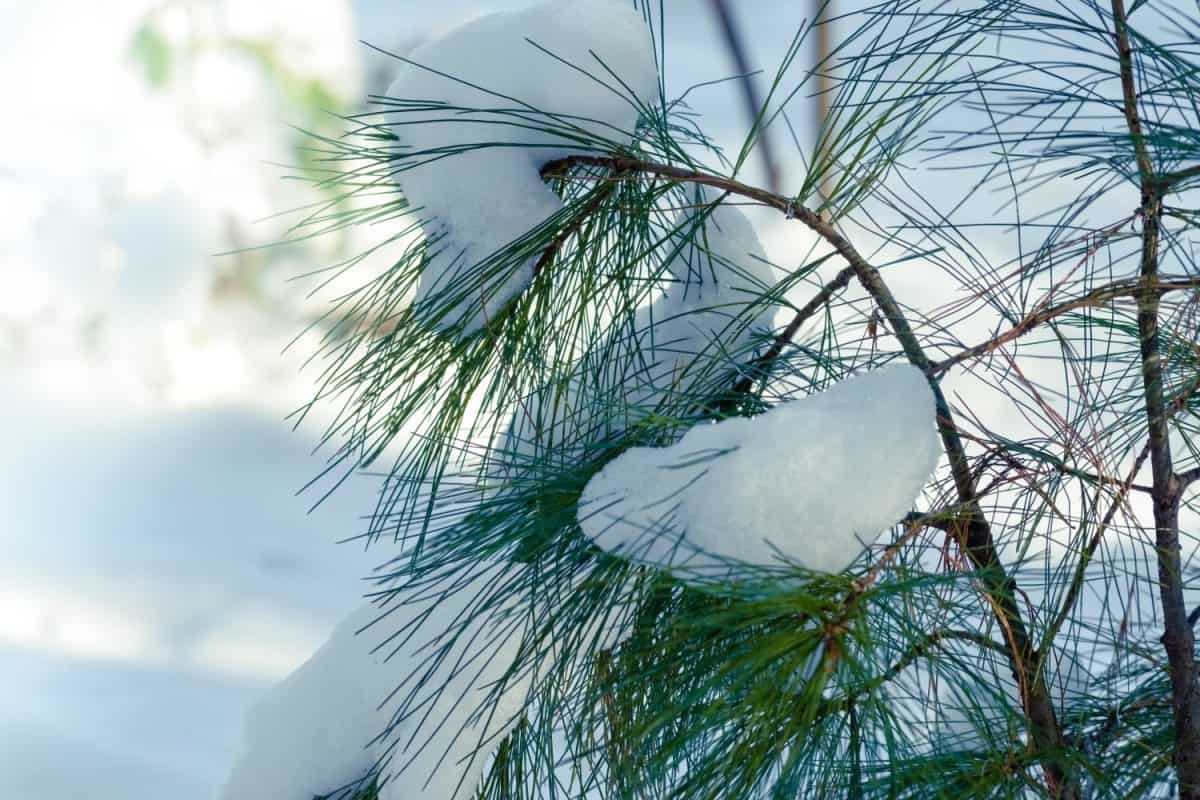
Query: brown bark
{"type": "Point", "coordinates": [1178, 638]}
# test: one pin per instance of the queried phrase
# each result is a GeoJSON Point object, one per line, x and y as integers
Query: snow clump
{"type": "Point", "coordinates": [320, 729]}
{"type": "Point", "coordinates": [811, 482]}
{"type": "Point", "coordinates": [552, 64]}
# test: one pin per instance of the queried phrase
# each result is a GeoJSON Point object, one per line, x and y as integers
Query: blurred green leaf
{"type": "Point", "coordinates": [151, 49]}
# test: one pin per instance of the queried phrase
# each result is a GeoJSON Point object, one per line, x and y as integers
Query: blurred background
{"type": "Point", "coordinates": [161, 566]}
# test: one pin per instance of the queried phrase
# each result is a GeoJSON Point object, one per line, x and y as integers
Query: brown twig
{"type": "Point", "coordinates": [551, 251]}
{"type": "Point", "coordinates": [785, 337]}
{"type": "Point", "coordinates": [824, 97]}
{"type": "Point", "coordinates": [1097, 297]}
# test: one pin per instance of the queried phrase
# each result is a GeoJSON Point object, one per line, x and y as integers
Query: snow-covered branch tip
{"type": "Point", "coordinates": [530, 86]}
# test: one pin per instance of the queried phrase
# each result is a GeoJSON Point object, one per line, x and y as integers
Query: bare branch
{"type": "Point", "coordinates": [1170, 180]}
{"type": "Point", "coordinates": [1034, 319]}
{"type": "Point", "coordinates": [754, 104]}
{"type": "Point", "coordinates": [819, 300]}
{"type": "Point", "coordinates": [1186, 479]}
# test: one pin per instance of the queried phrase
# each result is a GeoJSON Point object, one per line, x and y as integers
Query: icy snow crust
{"type": "Point", "coordinates": [475, 203]}
{"type": "Point", "coordinates": [809, 482]}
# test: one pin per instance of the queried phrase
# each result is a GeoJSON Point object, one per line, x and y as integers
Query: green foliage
{"type": "Point", "coordinates": [897, 679]}
{"type": "Point", "coordinates": [151, 48]}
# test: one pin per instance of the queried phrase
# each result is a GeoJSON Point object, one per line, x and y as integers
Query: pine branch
{"type": "Point", "coordinates": [785, 337]}
{"type": "Point", "coordinates": [597, 201]}
{"type": "Point", "coordinates": [1187, 478]}
{"type": "Point", "coordinates": [976, 538]}
{"type": "Point", "coordinates": [1089, 552]}
{"type": "Point", "coordinates": [1171, 180]}
{"type": "Point", "coordinates": [1033, 320]}
{"type": "Point", "coordinates": [1178, 638]}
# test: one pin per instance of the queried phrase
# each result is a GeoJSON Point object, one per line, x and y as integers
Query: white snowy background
{"type": "Point", "coordinates": [159, 571]}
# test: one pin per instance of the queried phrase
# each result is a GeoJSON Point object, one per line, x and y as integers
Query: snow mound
{"type": "Point", "coordinates": [309, 735]}
{"type": "Point", "coordinates": [811, 482]}
{"type": "Point", "coordinates": [567, 59]}
{"type": "Point", "coordinates": [436, 666]}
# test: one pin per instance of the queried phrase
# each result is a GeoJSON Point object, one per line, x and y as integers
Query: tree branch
{"type": "Point", "coordinates": [1097, 297]}
{"type": "Point", "coordinates": [976, 538]}
{"type": "Point", "coordinates": [1178, 638]}
{"type": "Point", "coordinates": [1168, 181]}
{"type": "Point", "coordinates": [818, 301]}
{"type": "Point", "coordinates": [1093, 544]}
{"type": "Point", "coordinates": [550, 252]}
{"type": "Point", "coordinates": [921, 648]}
{"type": "Point", "coordinates": [754, 105]}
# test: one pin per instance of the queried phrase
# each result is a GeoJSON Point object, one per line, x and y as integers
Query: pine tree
{"type": "Point", "coordinates": [1023, 631]}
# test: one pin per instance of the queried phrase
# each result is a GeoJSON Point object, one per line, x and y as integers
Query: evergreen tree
{"type": "Point", "coordinates": [586, 289]}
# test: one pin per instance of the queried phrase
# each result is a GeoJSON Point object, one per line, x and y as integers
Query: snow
{"type": "Point", "coordinates": [319, 729]}
{"type": "Point", "coordinates": [330, 701]}
{"type": "Point", "coordinates": [698, 331]}
{"type": "Point", "coordinates": [476, 203]}
{"type": "Point", "coordinates": [434, 660]}
{"type": "Point", "coordinates": [174, 580]}
{"type": "Point", "coordinates": [705, 313]}
{"type": "Point", "coordinates": [809, 482]}
{"type": "Point", "coordinates": [217, 555]}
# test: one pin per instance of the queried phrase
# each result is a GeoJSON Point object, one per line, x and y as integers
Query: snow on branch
{"type": "Point", "coordinates": [496, 99]}
{"type": "Point", "coordinates": [810, 482]}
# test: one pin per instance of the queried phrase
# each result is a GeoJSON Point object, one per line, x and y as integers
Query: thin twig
{"type": "Point", "coordinates": [754, 105]}
{"type": "Point", "coordinates": [1097, 297]}
{"type": "Point", "coordinates": [550, 252]}
{"type": "Point", "coordinates": [824, 96]}
{"type": "Point", "coordinates": [1089, 552]}
{"type": "Point", "coordinates": [784, 338]}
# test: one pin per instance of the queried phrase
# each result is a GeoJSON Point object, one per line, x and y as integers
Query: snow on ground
{"type": "Point", "coordinates": [809, 482]}
{"type": "Point", "coordinates": [157, 569]}
{"type": "Point", "coordinates": [497, 68]}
